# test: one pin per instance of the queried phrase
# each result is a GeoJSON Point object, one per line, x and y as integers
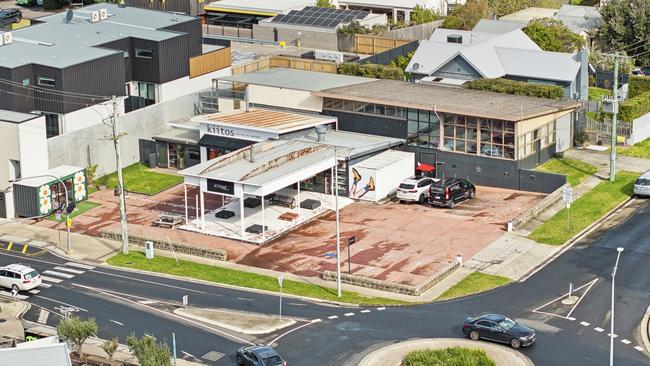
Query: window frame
{"type": "Point", "coordinates": [47, 81]}
{"type": "Point", "coordinates": [138, 53]}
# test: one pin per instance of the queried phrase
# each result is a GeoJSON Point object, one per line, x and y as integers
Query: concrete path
{"type": "Point", "coordinates": [11, 312]}
{"type": "Point", "coordinates": [393, 355]}
{"type": "Point", "coordinates": [601, 160]}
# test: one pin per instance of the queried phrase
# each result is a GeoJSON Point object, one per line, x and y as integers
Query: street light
{"type": "Point", "coordinates": [65, 208]}
{"type": "Point", "coordinates": [611, 330]}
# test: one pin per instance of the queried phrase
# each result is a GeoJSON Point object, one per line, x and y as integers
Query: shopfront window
{"type": "Point", "coordinates": [364, 108]}
{"type": "Point", "coordinates": [532, 141]}
{"type": "Point", "coordinates": [423, 129]}
{"type": "Point", "coordinates": [479, 136]}
{"type": "Point", "coordinates": [214, 152]}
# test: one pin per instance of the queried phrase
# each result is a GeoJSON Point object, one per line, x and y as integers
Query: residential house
{"type": "Point", "coordinates": [399, 10]}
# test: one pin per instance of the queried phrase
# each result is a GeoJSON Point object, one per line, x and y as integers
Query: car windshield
{"type": "Point", "coordinates": [272, 361]}
{"type": "Point", "coordinates": [31, 275]}
{"type": "Point", "coordinates": [506, 324]}
{"type": "Point", "coordinates": [643, 182]}
{"type": "Point", "coordinates": [407, 186]}
{"type": "Point", "coordinates": [438, 188]}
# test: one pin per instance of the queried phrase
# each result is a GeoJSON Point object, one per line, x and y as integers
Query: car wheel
{"type": "Point", "coordinates": [473, 335]}
{"type": "Point", "coordinates": [473, 194]}
{"type": "Point", "coordinates": [15, 288]}
{"type": "Point", "coordinates": [451, 204]}
{"type": "Point", "coordinates": [401, 201]}
{"type": "Point", "coordinates": [515, 343]}
{"type": "Point", "coordinates": [421, 199]}
{"type": "Point", "coordinates": [239, 360]}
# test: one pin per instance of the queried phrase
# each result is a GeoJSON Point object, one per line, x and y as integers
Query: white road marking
{"type": "Point", "coordinates": [45, 285]}
{"type": "Point", "coordinates": [316, 320]}
{"type": "Point", "coordinates": [115, 321]}
{"type": "Point", "coordinates": [34, 291]}
{"type": "Point", "coordinates": [287, 332]}
{"type": "Point", "coordinates": [599, 329]}
{"type": "Point", "coordinates": [159, 283]}
{"type": "Point", "coordinates": [610, 334]}
{"type": "Point", "coordinates": [244, 299]}
{"type": "Point", "coordinates": [638, 348]}
{"type": "Point", "coordinates": [365, 311]}
{"type": "Point", "coordinates": [66, 269]}
{"type": "Point", "coordinates": [297, 304]}
{"type": "Point", "coordinates": [187, 354]}
{"type": "Point", "coordinates": [42, 316]}
{"type": "Point", "coordinates": [381, 308]}
{"type": "Point", "coordinates": [332, 317]}
{"type": "Point", "coordinates": [571, 318]}
{"type": "Point", "coordinates": [348, 314]}
{"type": "Point", "coordinates": [625, 341]}
{"type": "Point", "coordinates": [585, 324]}
{"type": "Point", "coordinates": [18, 296]}
{"type": "Point", "coordinates": [147, 302]}
{"type": "Point", "coordinates": [58, 274]}
{"type": "Point", "coordinates": [50, 279]}
{"type": "Point", "coordinates": [61, 302]}
{"type": "Point", "coordinates": [73, 264]}
{"type": "Point", "coordinates": [568, 316]}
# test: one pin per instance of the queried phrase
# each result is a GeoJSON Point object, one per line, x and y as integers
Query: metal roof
{"type": "Point", "coordinates": [258, 7]}
{"type": "Point", "coordinates": [178, 135]}
{"type": "Point", "coordinates": [579, 18]}
{"type": "Point", "coordinates": [539, 65]}
{"type": "Point", "coordinates": [352, 144]}
{"type": "Point", "coordinates": [312, 16]}
{"type": "Point", "coordinates": [385, 159]}
{"type": "Point", "coordinates": [451, 100]}
{"type": "Point", "coordinates": [296, 79]}
{"type": "Point", "coordinates": [48, 176]}
{"type": "Point", "coordinates": [59, 44]}
{"type": "Point", "coordinates": [528, 14]}
{"type": "Point", "coordinates": [44, 355]}
{"type": "Point", "coordinates": [266, 120]}
{"type": "Point", "coordinates": [16, 117]}
{"type": "Point", "coordinates": [400, 4]}
{"type": "Point", "coordinates": [496, 26]}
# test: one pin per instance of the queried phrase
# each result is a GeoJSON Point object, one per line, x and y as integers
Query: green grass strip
{"type": "Point", "coordinates": [233, 277]}
{"type": "Point", "coordinates": [640, 150]}
{"type": "Point", "coordinates": [454, 356]}
{"type": "Point", "coordinates": [138, 178]}
{"type": "Point", "coordinates": [585, 210]}
{"type": "Point", "coordinates": [79, 209]}
{"type": "Point", "coordinates": [474, 283]}
{"type": "Point", "coordinates": [575, 170]}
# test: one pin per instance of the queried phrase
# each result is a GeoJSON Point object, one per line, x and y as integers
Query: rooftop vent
{"type": "Point", "coordinates": [321, 130]}
{"type": "Point", "coordinates": [94, 16]}
{"type": "Point", "coordinates": [103, 14]}
{"type": "Point", "coordinates": [455, 38]}
{"type": "Point", "coordinates": [7, 38]}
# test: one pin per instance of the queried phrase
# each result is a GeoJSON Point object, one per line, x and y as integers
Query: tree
{"type": "Point", "coordinates": [421, 15]}
{"type": "Point", "coordinates": [466, 16]}
{"type": "Point", "coordinates": [505, 7]}
{"type": "Point", "coordinates": [76, 330]}
{"type": "Point", "coordinates": [552, 35]}
{"type": "Point", "coordinates": [606, 62]}
{"type": "Point", "coordinates": [401, 61]}
{"type": "Point", "coordinates": [110, 346]}
{"type": "Point", "coordinates": [625, 26]}
{"type": "Point", "coordinates": [325, 4]}
{"type": "Point", "coordinates": [149, 352]}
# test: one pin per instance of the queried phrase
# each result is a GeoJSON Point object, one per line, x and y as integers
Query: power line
{"type": "Point", "coordinates": [47, 99]}
{"type": "Point", "coordinates": [53, 91]}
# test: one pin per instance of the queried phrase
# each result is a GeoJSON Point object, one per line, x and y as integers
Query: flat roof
{"type": "Point", "coordinates": [48, 176]}
{"type": "Point", "coordinates": [401, 4]}
{"type": "Point", "coordinates": [384, 159]}
{"type": "Point", "coordinates": [16, 117]}
{"type": "Point", "coordinates": [59, 44]}
{"type": "Point", "coordinates": [450, 100]}
{"type": "Point", "coordinates": [42, 355]}
{"type": "Point", "coordinates": [528, 14]}
{"type": "Point", "coordinates": [273, 160]}
{"type": "Point", "coordinates": [296, 79]}
{"type": "Point", "coordinates": [274, 121]}
{"type": "Point", "coordinates": [178, 135]}
{"type": "Point", "coordinates": [258, 7]}
{"type": "Point", "coordinates": [352, 144]}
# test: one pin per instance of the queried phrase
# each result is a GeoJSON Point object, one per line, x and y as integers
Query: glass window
{"type": "Point", "coordinates": [449, 144]}
{"type": "Point", "coordinates": [509, 152]}
{"type": "Point", "coordinates": [497, 137]}
{"type": "Point", "coordinates": [380, 109]}
{"type": "Point", "coordinates": [337, 104]}
{"type": "Point", "coordinates": [497, 125]}
{"type": "Point", "coordinates": [485, 135]}
{"type": "Point", "coordinates": [460, 120]}
{"type": "Point", "coordinates": [390, 111]}
{"type": "Point", "coordinates": [471, 133]}
{"type": "Point", "coordinates": [347, 105]}
{"type": "Point", "coordinates": [369, 108]}
{"type": "Point", "coordinates": [26, 82]}
{"type": "Point", "coordinates": [508, 126]}
{"type": "Point", "coordinates": [470, 147]}
{"type": "Point", "coordinates": [46, 81]}
{"type": "Point", "coordinates": [471, 122]}
{"type": "Point", "coordinates": [143, 53]}
{"type": "Point", "coordinates": [460, 132]}
{"type": "Point", "coordinates": [460, 145]}
{"type": "Point", "coordinates": [413, 114]}
{"type": "Point", "coordinates": [51, 125]}
{"type": "Point", "coordinates": [449, 130]}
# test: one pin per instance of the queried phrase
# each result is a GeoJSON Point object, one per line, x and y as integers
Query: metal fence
{"type": "Point", "coordinates": [605, 128]}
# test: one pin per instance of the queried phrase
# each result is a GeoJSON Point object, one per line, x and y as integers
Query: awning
{"type": "Point", "coordinates": [178, 136]}
{"type": "Point", "coordinates": [224, 142]}
{"type": "Point", "coordinates": [425, 167]}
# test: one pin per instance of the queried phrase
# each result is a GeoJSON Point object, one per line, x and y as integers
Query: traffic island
{"type": "Point", "coordinates": [241, 322]}
{"type": "Point", "coordinates": [395, 354]}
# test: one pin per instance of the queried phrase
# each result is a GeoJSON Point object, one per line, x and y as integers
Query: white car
{"type": "Point", "coordinates": [642, 185]}
{"type": "Point", "coordinates": [19, 277]}
{"type": "Point", "coordinates": [415, 189]}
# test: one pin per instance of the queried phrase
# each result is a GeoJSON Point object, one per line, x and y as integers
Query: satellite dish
{"type": "Point", "coordinates": [416, 66]}
{"type": "Point", "coordinates": [69, 15]}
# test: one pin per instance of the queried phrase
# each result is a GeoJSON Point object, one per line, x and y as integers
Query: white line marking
{"type": "Point", "coordinates": [34, 291]}
{"type": "Point", "coordinates": [348, 314]}
{"type": "Point", "coordinates": [365, 311]}
{"type": "Point", "coordinates": [585, 324]}
{"type": "Point", "coordinates": [61, 302]}
{"type": "Point", "coordinates": [287, 332]}
{"type": "Point", "coordinates": [581, 297]}
{"type": "Point", "coordinates": [66, 269]}
{"type": "Point", "coordinates": [610, 334]}
{"type": "Point", "coordinates": [316, 320]}
{"type": "Point", "coordinates": [638, 348]}
{"type": "Point", "coordinates": [571, 318]}
{"type": "Point", "coordinates": [297, 304]}
{"type": "Point", "coordinates": [42, 316]}
{"type": "Point", "coordinates": [50, 279]}
{"type": "Point", "coordinates": [244, 299]}
{"type": "Point", "coordinates": [147, 302]}
{"type": "Point", "coordinates": [188, 354]}
{"type": "Point", "coordinates": [599, 329]}
{"type": "Point", "coordinates": [332, 317]}
{"type": "Point", "coordinates": [159, 283]}
{"type": "Point", "coordinates": [45, 285]}
{"type": "Point", "coordinates": [58, 274]}
{"type": "Point", "coordinates": [73, 264]}
{"type": "Point", "coordinates": [115, 321]}
{"type": "Point", "coordinates": [568, 316]}
{"type": "Point", "coordinates": [18, 296]}
{"type": "Point", "coordinates": [625, 341]}
{"type": "Point", "coordinates": [381, 308]}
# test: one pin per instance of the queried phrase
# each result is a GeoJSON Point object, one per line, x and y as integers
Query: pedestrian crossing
{"type": "Point", "coordinates": [51, 277]}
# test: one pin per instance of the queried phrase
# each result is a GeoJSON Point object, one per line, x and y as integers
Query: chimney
{"type": "Point", "coordinates": [246, 101]}
{"type": "Point", "coordinates": [321, 130]}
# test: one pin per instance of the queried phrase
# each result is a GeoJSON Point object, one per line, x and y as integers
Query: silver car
{"type": "Point", "coordinates": [18, 277]}
{"type": "Point", "coordinates": [642, 185]}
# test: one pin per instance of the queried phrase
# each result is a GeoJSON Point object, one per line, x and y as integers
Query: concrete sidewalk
{"type": "Point", "coordinates": [600, 159]}
{"type": "Point", "coordinates": [11, 312]}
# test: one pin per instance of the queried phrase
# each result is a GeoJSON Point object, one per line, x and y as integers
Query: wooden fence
{"type": "Point", "coordinates": [209, 62]}
{"type": "Point", "coordinates": [286, 62]}
{"type": "Point", "coordinates": [605, 128]}
{"type": "Point", "coordinates": [220, 30]}
{"type": "Point", "coordinates": [371, 45]}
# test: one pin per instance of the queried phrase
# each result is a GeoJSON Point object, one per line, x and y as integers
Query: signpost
{"type": "Point", "coordinates": [280, 280]}
{"type": "Point", "coordinates": [567, 196]}
{"type": "Point", "coordinates": [351, 240]}
{"type": "Point", "coordinates": [184, 300]}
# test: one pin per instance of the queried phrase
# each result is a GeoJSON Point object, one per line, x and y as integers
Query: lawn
{"type": "Point", "coordinates": [585, 210]}
{"type": "Point", "coordinates": [233, 277]}
{"type": "Point", "coordinates": [575, 170]}
{"type": "Point", "coordinates": [138, 178]}
{"type": "Point", "coordinates": [81, 207]}
{"type": "Point", "coordinates": [474, 283]}
{"type": "Point", "coordinates": [596, 94]}
{"type": "Point", "coordinates": [454, 356]}
{"type": "Point", "coordinates": [639, 150]}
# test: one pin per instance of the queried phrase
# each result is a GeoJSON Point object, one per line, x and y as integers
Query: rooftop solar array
{"type": "Point", "coordinates": [312, 16]}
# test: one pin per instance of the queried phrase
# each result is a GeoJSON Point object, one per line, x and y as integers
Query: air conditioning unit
{"type": "Point", "coordinates": [103, 14]}
{"type": "Point", "coordinates": [7, 38]}
{"type": "Point", "coordinates": [329, 56]}
{"type": "Point", "coordinates": [94, 16]}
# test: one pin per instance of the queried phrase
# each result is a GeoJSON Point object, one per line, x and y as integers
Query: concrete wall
{"type": "Point", "coordinates": [89, 146]}
{"type": "Point", "coordinates": [9, 150]}
{"type": "Point", "coordinates": [33, 147]}
{"type": "Point", "coordinates": [640, 129]}
{"type": "Point", "coordinates": [90, 116]}
{"type": "Point", "coordinates": [185, 85]}
{"type": "Point", "coordinates": [563, 129]}
{"type": "Point", "coordinates": [414, 33]}
{"type": "Point", "coordinates": [284, 98]}
{"type": "Point", "coordinates": [309, 37]}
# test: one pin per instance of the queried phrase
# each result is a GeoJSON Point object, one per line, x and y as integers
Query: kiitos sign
{"type": "Point", "coordinates": [220, 131]}
{"type": "Point", "coordinates": [248, 134]}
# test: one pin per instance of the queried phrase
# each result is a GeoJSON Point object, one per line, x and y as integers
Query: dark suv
{"type": "Point", "coordinates": [450, 191]}
{"type": "Point", "coordinates": [9, 16]}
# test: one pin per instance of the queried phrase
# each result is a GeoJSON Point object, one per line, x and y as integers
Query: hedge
{"type": "Point", "coordinates": [638, 85]}
{"type": "Point", "coordinates": [371, 71]}
{"type": "Point", "coordinates": [516, 87]}
{"type": "Point", "coordinates": [634, 108]}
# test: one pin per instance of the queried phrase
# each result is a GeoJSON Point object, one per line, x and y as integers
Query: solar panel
{"type": "Point", "coordinates": [320, 17]}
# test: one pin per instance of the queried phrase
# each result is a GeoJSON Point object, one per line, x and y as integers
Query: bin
{"type": "Point", "coordinates": [153, 160]}
{"type": "Point", "coordinates": [148, 249]}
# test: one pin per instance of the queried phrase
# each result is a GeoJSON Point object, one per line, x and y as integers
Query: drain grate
{"type": "Point", "coordinates": [213, 355]}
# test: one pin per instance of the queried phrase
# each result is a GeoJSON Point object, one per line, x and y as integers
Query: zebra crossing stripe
{"type": "Point", "coordinates": [34, 291]}
{"type": "Point", "coordinates": [45, 285]}
{"type": "Point", "coordinates": [73, 264]}
{"type": "Point", "coordinates": [9, 294]}
{"type": "Point", "coordinates": [65, 269]}
{"type": "Point", "coordinates": [59, 274]}
{"type": "Point", "coordinates": [42, 316]}
{"type": "Point", "coordinates": [50, 279]}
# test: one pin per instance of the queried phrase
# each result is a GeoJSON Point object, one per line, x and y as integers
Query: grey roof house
{"type": "Point", "coordinates": [453, 57]}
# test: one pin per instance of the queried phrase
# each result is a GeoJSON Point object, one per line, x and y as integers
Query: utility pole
{"type": "Point", "coordinates": [612, 153]}
{"type": "Point", "coordinates": [338, 228]}
{"type": "Point", "coordinates": [120, 181]}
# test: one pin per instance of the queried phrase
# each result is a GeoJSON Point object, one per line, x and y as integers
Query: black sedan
{"type": "Point", "coordinates": [258, 356]}
{"type": "Point", "coordinates": [498, 328]}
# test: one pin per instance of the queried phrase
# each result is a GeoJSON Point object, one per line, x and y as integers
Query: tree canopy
{"type": "Point", "coordinates": [150, 352]}
{"type": "Point", "coordinates": [625, 26]}
{"type": "Point", "coordinates": [421, 15]}
{"type": "Point", "coordinates": [466, 16]}
{"type": "Point", "coordinates": [76, 330]}
{"type": "Point", "coordinates": [552, 35]}
{"type": "Point", "coordinates": [324, 4]}
{"type": "Point", "coordinates": [606, 62]}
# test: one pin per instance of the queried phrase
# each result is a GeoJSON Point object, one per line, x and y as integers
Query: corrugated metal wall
{"type": "Point", "coordinates": [26, 201]}
{"type": "Point", "coordinates": [173, 59]}
{"type": "Point", "coordinates": [195, 32]}
{"type": "Point", "coordinates": [123, 45]}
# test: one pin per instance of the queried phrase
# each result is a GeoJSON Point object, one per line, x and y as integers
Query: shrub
{"type": "Point", "coordinates": [149, 352]}
{"type": "Point", "coordinates": [76, 330]}
{"type": "Point", "coordinates": [634, 108]}
{"type": "Point", "coordinates": [371, 71]}
{"type": "Point", "coordinates": [353, 28]}
{"type": "Point", "coordinates": [455, 356]}
{"type": "Point", "coordinates": [516, 87]}
{"type": "Point", "coordinates": [638, 85]}
{"type": "Point", "coordinates": [421, 15]}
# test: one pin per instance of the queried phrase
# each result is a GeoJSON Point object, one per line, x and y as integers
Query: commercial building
{"type": "Point", "coordinates": [246, 13]}
{"type": "Point", "coordinates": [189, 7]}
{"type": "Point", "coordinates": [400, 10]}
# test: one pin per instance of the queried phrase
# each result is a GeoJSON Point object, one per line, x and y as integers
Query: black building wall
{"type": "Point", "coordinates": [143, 69]}
{"type": "Point", "coordinates": [195, 35]}
{"type": "Point", "coordinates": [22, 97]}
{"type": "Point", "coordinates": [173, 59]}
{"type": "Point", "coordinates": [373, 125]}
{"type": "Point", "coordinates": [123, 45]}
{"type": "Point", "coordinates": [47, 98]}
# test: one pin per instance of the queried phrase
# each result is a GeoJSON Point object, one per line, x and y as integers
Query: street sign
{"type": "Point", "coordinates": [280, 279]}
{"type": "Point", "coordinates": [68, 222]}
{"type": "Point", "coordinates": [567, 194]}
{"type": "Point", "coordinates": [352, 240]}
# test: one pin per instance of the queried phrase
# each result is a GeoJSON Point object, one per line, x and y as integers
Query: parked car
{"type": "Point", "coordinates": [10, 16]}
{"type": "Point", "coordinates": [18, 277]}
{"type": "Point", "coordinates": [646, 70]}
{"type": "Point", "coordinates": [450, 191]}
{"type": "Point", "coordinates": [498, 328]}
{"type": "Point", "coordinates": [642, 185]}
{"type": "Point", "coordinates": [415, 189]}
{"type": "Point", "coordinates": [258, 356]}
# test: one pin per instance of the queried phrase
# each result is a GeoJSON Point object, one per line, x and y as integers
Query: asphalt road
{"type": "Point", "coordinates": [124, 302]}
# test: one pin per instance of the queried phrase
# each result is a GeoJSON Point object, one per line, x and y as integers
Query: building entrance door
{"type": "Point", "coordinates": [3, 206]}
